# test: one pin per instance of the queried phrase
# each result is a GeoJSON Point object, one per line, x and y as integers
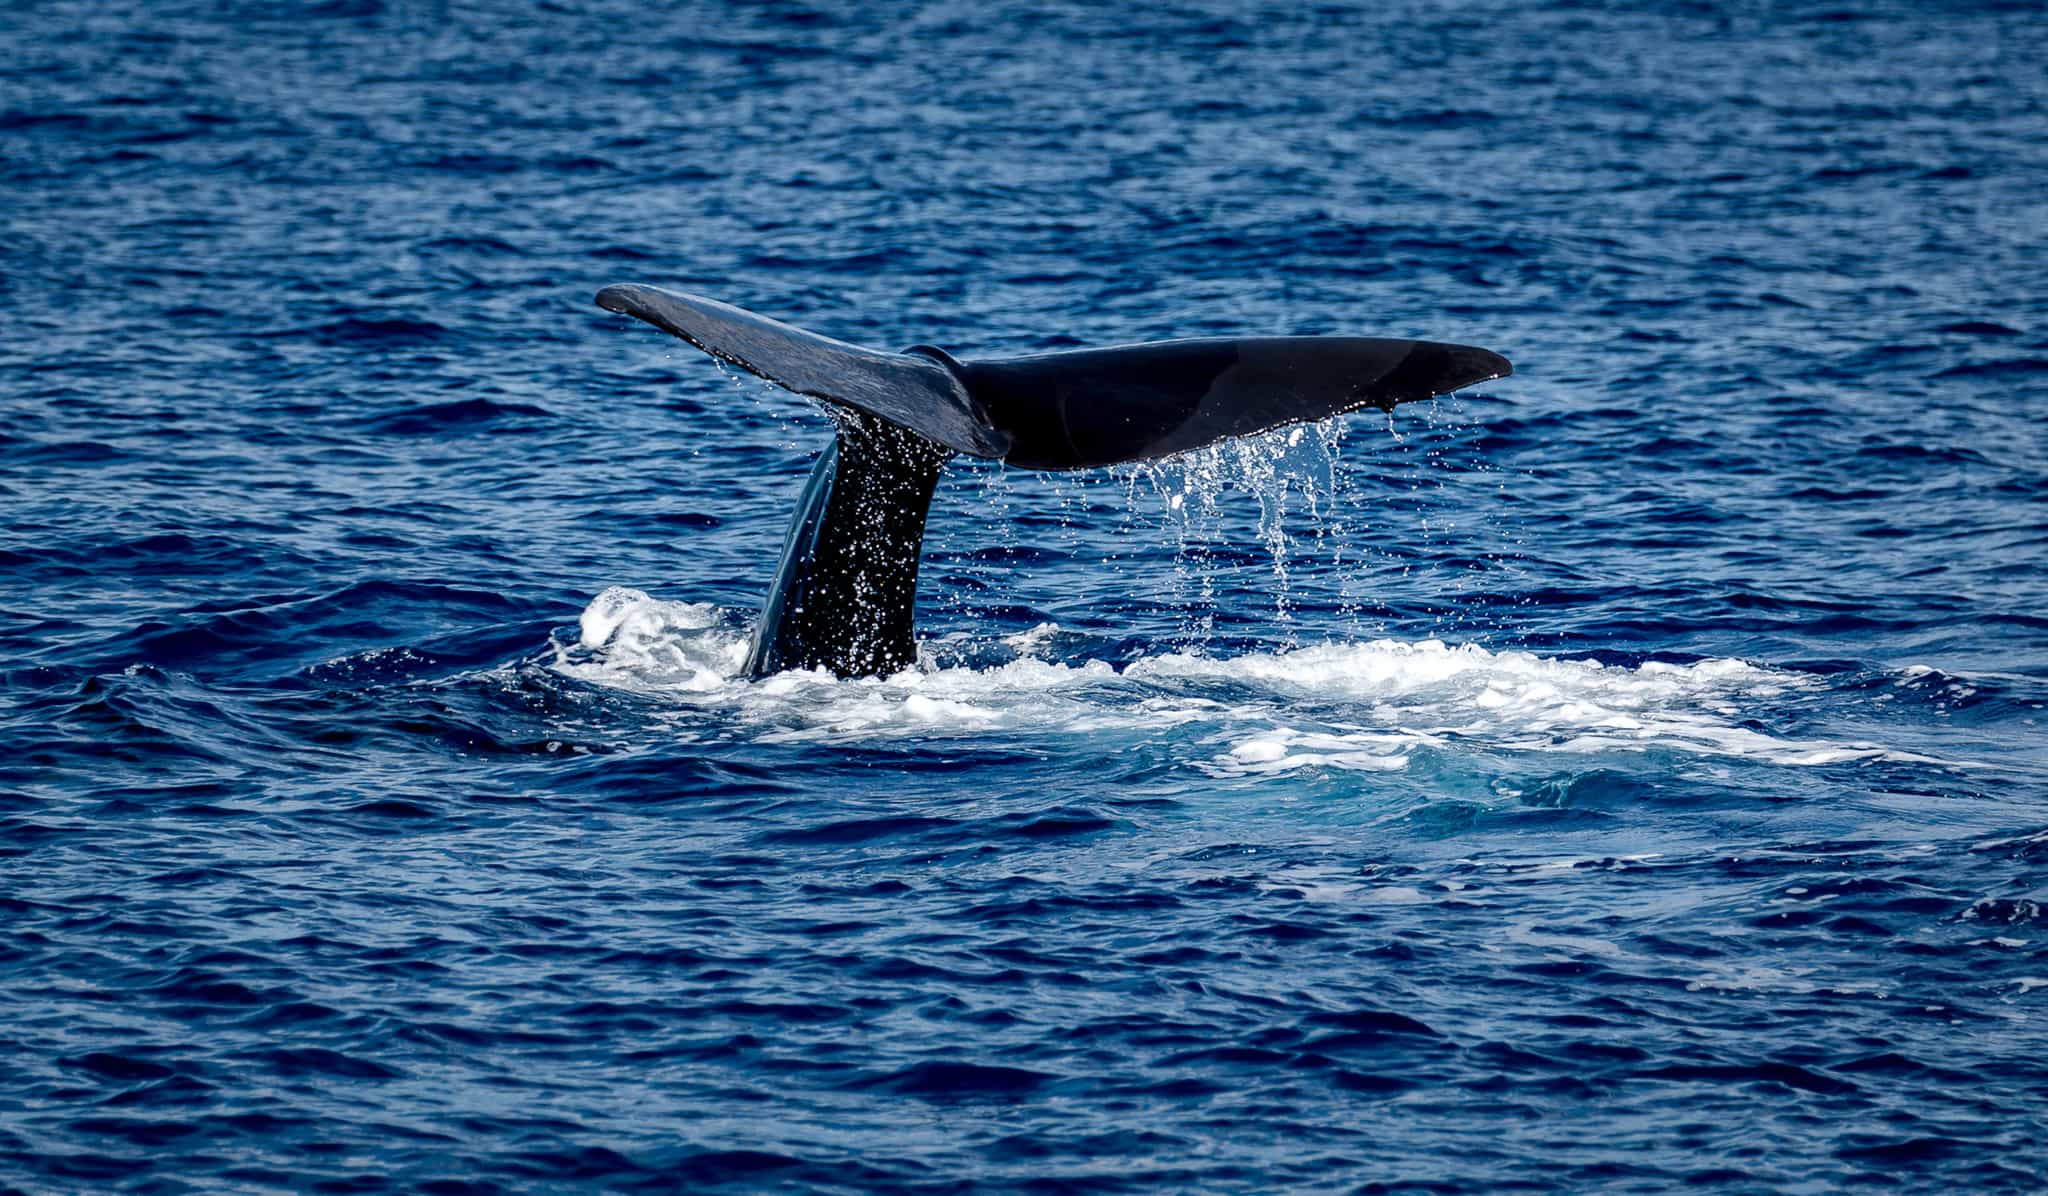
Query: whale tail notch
{"type": "Point", "coordinates": [843, 596]}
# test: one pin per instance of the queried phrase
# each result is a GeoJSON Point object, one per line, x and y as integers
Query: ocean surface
{"type": "Point", "coordinates": [1626, 775]}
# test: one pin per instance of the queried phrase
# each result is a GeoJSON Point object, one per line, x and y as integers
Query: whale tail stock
{"type": "Point", "coordinates": [844, 594]}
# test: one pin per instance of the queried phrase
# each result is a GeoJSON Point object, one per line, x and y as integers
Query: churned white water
{"type": "Point", "coordinates": [1362, 706]}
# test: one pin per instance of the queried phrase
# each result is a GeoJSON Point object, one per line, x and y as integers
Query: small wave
{"type": "Point", "coordinates": [16, 120]}
{"type": "Point", "coordinates": [2017, 367]}
{"type": "Point", "coordinates": [954, 1080]}
{"type": "Point", "coordinates": [432, 419]}
{"type": "Point", "coordinates": [354, 330]}
{"type": "Point", "coordinates": [473, 163]}
{"type": "Point", "coordinates": [69, 452]}
{"type": "Point", "coordinates": [490, 246]}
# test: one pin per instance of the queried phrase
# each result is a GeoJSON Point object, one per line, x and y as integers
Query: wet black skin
{"type": "Point", "coordinates": [845, 594]}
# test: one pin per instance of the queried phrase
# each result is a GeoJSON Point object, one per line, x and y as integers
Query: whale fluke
{"type": "Point", "coordinates": [917, 392]}
{"type": "Point", "coordinates": [1090, 407]}
{"type": "Point", "coordinates": [844, 595]}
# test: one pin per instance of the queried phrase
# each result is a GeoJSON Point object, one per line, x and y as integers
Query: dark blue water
{"type": "Point", "coordinates": [1629, 774]}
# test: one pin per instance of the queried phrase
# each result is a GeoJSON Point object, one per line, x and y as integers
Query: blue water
{"type": "Point", "coordinates": [1628, 774]}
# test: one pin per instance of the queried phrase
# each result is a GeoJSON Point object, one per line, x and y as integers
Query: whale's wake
{"type": "Point", "coordinates": [1359, 706]}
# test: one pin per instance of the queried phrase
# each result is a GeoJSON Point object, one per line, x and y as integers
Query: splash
{"type": "Point", "coordinates": [1292, 469]}
{"type": "Point", "coordinates": [1351, 498]}
{"type": "Point", "coordinates": [658, 647]}
{"type": "Point", "coordinates": [1354, 706]}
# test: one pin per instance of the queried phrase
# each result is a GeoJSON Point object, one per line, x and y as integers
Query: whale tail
{"type": "Point", "coordinates": [844, 595]}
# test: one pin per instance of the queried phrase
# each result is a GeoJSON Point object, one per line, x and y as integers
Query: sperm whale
{"type": "Point", "coordinates": [843, 597]}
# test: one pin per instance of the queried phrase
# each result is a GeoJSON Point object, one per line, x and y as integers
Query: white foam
{"type": "Point", "coordinates": [1359, 707]}
{"type": "Point", "coordinates": [1283, 749]}
{"type": "Point", "coordinates": [645, 644]}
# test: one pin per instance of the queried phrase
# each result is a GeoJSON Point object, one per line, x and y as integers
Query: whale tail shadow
{"type": "Point", "coordinates": [844, 594]}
